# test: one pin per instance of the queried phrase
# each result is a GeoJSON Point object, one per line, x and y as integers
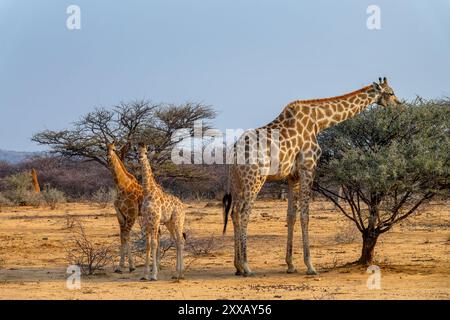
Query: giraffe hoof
{"type": "Point", "coordinates": [177, 277]}
{"type": "Point", "coordinates": [311, 272]}
{"type": "Point", "coordinates": [144, 279]}
{"type": "Point", "coordinates": [153, 279]}
{"type": "Point", "coordinates": [238, 273]}
{"type": "Point", "coordinates": [291, 270]}
{"type": "Point", "coordinates": [132, 269]}
{"type": "Point", "coordinates": [118, 271]}
{"type": "Point", "coordinates": [249, 274]}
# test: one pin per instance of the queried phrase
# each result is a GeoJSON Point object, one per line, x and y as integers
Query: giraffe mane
{"type": "Point", "coordinates": [344, 96]}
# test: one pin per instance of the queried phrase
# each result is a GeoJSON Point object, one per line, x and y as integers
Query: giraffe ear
{"type": "Point", "coordinates": [376, 86]}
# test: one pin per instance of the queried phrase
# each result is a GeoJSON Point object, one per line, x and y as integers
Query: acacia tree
{"type": "Point", "coordinates": [388, 162]}
{"type": "Point", "coordinates": [151, 123]}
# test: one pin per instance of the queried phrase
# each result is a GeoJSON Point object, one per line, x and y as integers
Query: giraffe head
{"type": "Point", "coordinates": [386, 94]}
{"type": "Point", "coordinates": [111, 147]}
{"type": "Point", "coordinates": [142, 150]}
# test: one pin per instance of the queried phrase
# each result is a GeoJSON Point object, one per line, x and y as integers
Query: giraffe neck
{"type": "Point", "coordinates": [335, 110]}
{"type": "Point", "coordinates": [122, 178]}
{"type": "Point", "coordinates": [148, 180]}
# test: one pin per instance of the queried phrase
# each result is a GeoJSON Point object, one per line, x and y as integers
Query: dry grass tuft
{"type": "Point", "coordinates": [347, 233]}
{"type": "Point", "coordinates": [90, 257]}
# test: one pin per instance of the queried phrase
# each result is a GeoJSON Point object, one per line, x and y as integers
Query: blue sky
{"type": "Point", "coordinates": [245, 58]}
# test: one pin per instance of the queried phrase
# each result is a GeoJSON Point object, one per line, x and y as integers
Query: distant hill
{"type": "Point", "coordinates": [15, 156]}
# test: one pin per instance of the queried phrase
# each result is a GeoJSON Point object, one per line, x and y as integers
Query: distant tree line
{"type": "Point", "coordinates": [77, 163]}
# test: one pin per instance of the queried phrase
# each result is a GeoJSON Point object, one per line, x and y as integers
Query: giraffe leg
{"type": "Point", "coordinates": [158, 251]}
{"type": "Point", "coordinates": [176, 233]}
{"type": "Point", "coordinates": [237, 242]}
{"type": "Point", "coordinates": [121, 220]}
{"type": "Point", "coordinates": [291, 218]}
{"type": "Point", "coordinates": [130, 223]}
{"type": "Point", "coordinates": [147, 256]}
{"type": "Point", "coordinates": [244, 217]}
{"type": "Point", "coordinates": [306, 182]}
{"type": "Point", "coordinates": [154, 248]}
{"type": "Point", "coordinates": [129, 252]}
{"type": "Point", "coordinates": [180, 248]}
{"type": "Point", "coordinates": [122, 251]}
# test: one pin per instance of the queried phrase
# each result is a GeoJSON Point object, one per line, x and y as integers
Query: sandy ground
{"type": "Point", "coordinates": [413, 258]}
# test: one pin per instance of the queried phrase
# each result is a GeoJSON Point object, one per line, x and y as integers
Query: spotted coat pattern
{"type": "Point", "coordinates": [160, 208]}
{"type": "Point", "coordinates": [298, 126]}
{"type": "Point", "coordinates": [127, 204]}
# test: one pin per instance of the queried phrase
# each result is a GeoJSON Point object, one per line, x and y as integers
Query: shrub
{"type": "Point", "coordinates": [139, 244]}
{"type": "Point", "coordinates": [388, 162]}
{"type": "Point", "coordinates": [70, 222]}
{"type": "Point", "coordinates": [19, 181]}
{"type": "Point", "coordinates": [200, 247]}
{"type": "Point", "coordinates": [90, 257]}
{"type": "Point", "coordinates": [53, 197]}
{"type": "Point", "coordinates": [25, 198]}
{"type": "Point", "coordinates": [4, 202]}
{"type": "Point", "coordinates": [104, 197]}
{"type": "Point", "coordinates": [21, 191]}
{"type": "Point", "coordinates": [347, 233]}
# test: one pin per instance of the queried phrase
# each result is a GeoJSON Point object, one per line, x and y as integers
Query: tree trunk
{"type": "Point", "coordinates": [368, 248]}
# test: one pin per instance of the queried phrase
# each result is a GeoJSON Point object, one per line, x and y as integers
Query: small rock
{"type": "Point", "coordinates": [45, 238]}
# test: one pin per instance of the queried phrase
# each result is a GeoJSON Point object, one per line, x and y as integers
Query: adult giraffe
{"type": "Point", "coordinates": [298, 126]}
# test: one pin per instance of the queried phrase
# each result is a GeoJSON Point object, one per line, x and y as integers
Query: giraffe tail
{"type": "Point", "coordinates": [226, 201]}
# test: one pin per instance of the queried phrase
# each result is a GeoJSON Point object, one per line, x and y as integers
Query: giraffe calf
{"type": "Point", "coordinates": [159, 208]}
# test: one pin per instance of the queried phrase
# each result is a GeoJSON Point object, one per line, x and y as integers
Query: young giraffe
{"type": "Point", "coordinates": [298, 126]}
{"type": "Point", "coordinates": [127, 204]}
{"type": "Point", "coordinates": [160, 208]}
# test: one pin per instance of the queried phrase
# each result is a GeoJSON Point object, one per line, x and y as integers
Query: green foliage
{"type": "Point", "coordinates": [104, 197]}
{"type": "Point", "coordinates": [20, 190]}
{"type": "Point", "coordinates": [19, 181]}
{"type": "Point", "coordinates": [392, 160]}
{"type": "Point", "coordinates": [4, 201]}
{"type": "Point", "coordinates": [53, 197]}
